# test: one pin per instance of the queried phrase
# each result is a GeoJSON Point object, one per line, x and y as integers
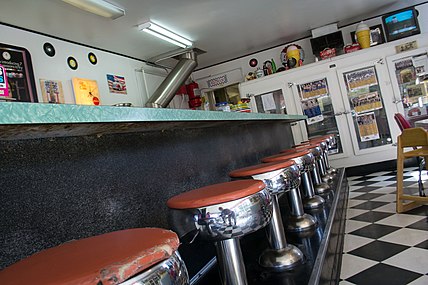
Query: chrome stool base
{"type": "Point", "coordinates": [301, 223]}
{"type": "Point", "coordinates": [313, 202]}
{"type": "Point", "coordinates": [332, 170]}
{"type": "Point", "coordinates": [280, 259]}
{"type": "Point", "coordinates": [322, 188]}
{"type": "Point", "coordinates": [327, 178]}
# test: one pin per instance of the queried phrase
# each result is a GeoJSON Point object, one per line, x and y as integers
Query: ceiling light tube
{"type": "Point", "coordinates": [98, 7]}
{"type": "Point", "coordinates": [164, 34]}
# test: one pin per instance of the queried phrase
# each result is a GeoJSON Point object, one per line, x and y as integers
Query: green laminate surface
{"type": "Point", "coordinates": [39, 113]}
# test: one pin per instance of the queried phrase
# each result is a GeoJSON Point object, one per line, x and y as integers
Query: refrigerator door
{"type": "Point", "coordinates": [317, 95]}
{"type": "Point", "coordinates": [369, 106]}
{"type": "Point", "coordinates": [409, 78]}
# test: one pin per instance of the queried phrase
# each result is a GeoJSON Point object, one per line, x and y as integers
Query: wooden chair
{"type": "Point", "coordinates": [416, 138]}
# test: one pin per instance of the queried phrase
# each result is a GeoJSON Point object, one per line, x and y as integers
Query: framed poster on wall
{"type": "Point", "coordinates": [19, 72]}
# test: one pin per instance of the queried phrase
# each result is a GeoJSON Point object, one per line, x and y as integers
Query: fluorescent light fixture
{"type": "Point", "coordinates": [164, 34]}
{"type": "Point", "coordinates": [98, 7]}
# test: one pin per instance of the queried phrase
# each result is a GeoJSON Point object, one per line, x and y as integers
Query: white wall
{"type": "Point", "coordinates": [243, 63]}
{"type": "Point", "coordinates": [56, 68]}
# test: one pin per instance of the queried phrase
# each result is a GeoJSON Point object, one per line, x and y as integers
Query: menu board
{"type": "Point", "coordinates": [19, 74]}
{"type": "Point", "coordinates": [314, 89]}
{"type": "Point", "coordinates": [361, 78]}
{"type": "Point", "coordinates": [309, 93]}
{"type": "Point", "coordinates": [367, 127]}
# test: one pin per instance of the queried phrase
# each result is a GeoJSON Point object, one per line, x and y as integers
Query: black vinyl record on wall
{"type": "Point", "coordinates": [92, 58]}
{"type": "Point", "coordinates": [49, 49]}
{"type": "Point", "coordinates": [72, 63]}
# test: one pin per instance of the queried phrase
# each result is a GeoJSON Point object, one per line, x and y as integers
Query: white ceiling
{"type": "Point", "coordinates": [224, 28]}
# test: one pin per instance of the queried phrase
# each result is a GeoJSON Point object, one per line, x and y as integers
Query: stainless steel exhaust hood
{"type": "Point", "coordinates": [178, 75]}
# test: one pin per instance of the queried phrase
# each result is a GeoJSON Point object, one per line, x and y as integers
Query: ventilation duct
{"type": "Point", "coordinates": [178, 75]}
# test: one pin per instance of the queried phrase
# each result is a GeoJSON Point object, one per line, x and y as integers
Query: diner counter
{"type": "Point", "coordinates": [31, 120]}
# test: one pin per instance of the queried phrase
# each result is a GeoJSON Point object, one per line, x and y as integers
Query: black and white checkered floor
{"type": "Point", "coordinates": [382, 247]}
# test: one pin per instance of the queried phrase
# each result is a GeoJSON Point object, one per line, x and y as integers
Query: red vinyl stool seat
{"type": "Point", "coordinates": [222, 213]}
{"type": "Point", "coordinates": [110, 258]}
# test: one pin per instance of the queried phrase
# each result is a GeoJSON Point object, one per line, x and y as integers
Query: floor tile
{"type": "Point", "coordinates": [400, 220]}
{"type": "Point", "coordinates": [355, 182]}
{"type": "Point", "coordinates": [368, 205]}
{"type": "Point", "coordinates": [422, 211]}
{"type": "Point", "coordinates": [380, 173]}
{"type": "Point", "coordinates": [352, 265]}
{"type": "Point", "coordinates": [352, 195]}
{"type": "Point", "coordinates": [371, 216]}
{"type": "Point", "coordinates": [350, 178]}
{"type": "Point", "coordinates": [378, 250]}
{"type": "Point", "coordinates": [353, 188]}
{"type": "Point", "coordinates": [383, 183]}
{"type": "Point", "coordinates": [423, 244]}
{"type": "Point", "coordinates": [388, 208]}
{"type": "Point", "coordinates": [368, 196]}
{"type": "Point", "coordinates": [350, 213]}
{"type": "Point", "coordinates": [384, 274]}
{"type": "Point", "coordinates": [385, 198]}
{"type": "Point", "coordinates": [346, 283]}
{"type": "Point", "coordinates": [373, 230]}
{"type": "Point", "coordinates": [365, 189]}
{"type": "Point", "coordinates": [354, 202]}
{"type": "Point", "coordinates": [420, 281]}
{"type": "Point", "coordinates": [405, 236]}
{"type": "Point", "coordinates": [354, 225]}
{"type": "Point", "coordinates": [365, 183]}
{"type": "Point", "coordinates": [379, 178]}
{"type": "Point", "coordinates": [414, 259]}
{"type": "Point", "coordinates": [420, 225]}
{"type": "Point", "coordinates": [387, 242]}
{"type": "Point", "coordinates": [352, 242]}
{"type": "Point", "coordinates": [385, 190]}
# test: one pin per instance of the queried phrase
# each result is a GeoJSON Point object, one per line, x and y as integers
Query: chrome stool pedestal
{"type": "Point", "coordinates": [222, 213]}
{"type": "Point", "coordinates": [298, 221]}
{"type": "Point", "coordinates": [278, 176]}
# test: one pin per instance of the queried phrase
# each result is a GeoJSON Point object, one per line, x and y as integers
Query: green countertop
{"type": "Point", "coordinates": [38, 113]}
{"type": "Point", "coordinates": [37, 120]}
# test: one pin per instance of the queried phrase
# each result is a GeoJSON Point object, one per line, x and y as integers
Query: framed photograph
{"type": "Point", "coordinates": [377, 36]}
{"type": "Point", "coordinates": [19, 73]}
{"type": "Point", "coordinates": [86, 91]}
{"type": "Point", "coordinates": [52, 91]}
{"type": "Point", "coordinates": [116, 84]}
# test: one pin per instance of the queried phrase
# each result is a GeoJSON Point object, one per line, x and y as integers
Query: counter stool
{"type": "Point", "coordinates": [133, 256]}
{"type": "Point", "coordinates": [278, 177]}
{"type": "Point", "coordinates": [319, 185]}
{"type": "Point", "coordinates": [325, 177]}
{"type": "Point", "coordinates": [305, 160]}
{"type": "Point", "coordinates": [222, 213]}
{"type": "Point", "coordinates": [298, 220]}
{"type": "Point", "coordinates": [330, 141]}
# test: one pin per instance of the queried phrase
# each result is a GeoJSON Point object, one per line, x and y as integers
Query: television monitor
{"type": "Point", "coordinates": [400, 24]}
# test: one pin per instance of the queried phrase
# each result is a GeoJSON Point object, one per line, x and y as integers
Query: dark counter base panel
{"type": "Point", "coordinates": [58, 189]}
